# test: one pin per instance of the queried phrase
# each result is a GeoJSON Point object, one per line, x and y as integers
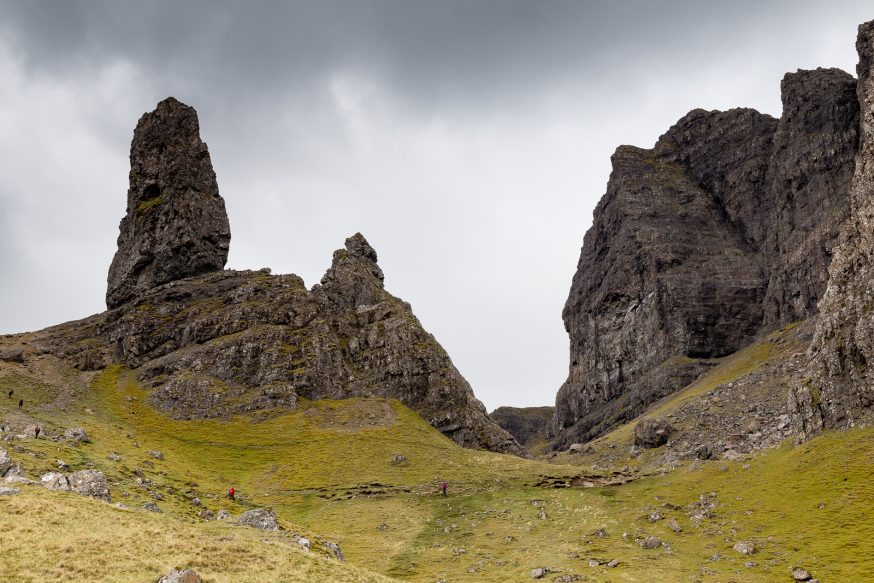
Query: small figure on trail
{"type": "Point", "coordinates": [36, 431]}
{"type": "Point", "coordinates": [20, 403]}
{"type": "Point", "coordinates": [231, 493]}
{"type": "Point", "coordinates": [11, 392]}
{"type": "Point", "coordinates": [443, 488]}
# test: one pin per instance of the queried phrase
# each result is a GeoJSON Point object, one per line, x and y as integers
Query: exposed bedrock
{"type": "Point", "coordinates": [723, 230]}
{"type": "Point", "coordinates": [839, 389]}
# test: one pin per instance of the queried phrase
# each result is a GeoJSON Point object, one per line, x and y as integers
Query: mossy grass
{"type": "Point", "coordinates": [327, 468]}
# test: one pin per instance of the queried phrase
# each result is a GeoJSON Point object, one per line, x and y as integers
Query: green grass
{"type": "Point", "coordinates": [326, 469]}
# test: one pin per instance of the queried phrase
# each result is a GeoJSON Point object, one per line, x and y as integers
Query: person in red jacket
{"type": "Point", "coordinates": [443, 487]}
{"type": "Point", "coordinates": [231, 493]}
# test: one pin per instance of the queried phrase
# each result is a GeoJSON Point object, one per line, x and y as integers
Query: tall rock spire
{"type": "Point", "coordinates": [176, 225]}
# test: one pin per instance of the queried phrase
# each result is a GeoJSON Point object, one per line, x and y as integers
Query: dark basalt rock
{"type": "Point", "coordinates": [210, 343]}
{"type": "Point", "coordinates": [176, 225]}
{"type": "Point", "coordinates": [840, 387]}
{"type": "Point", "coordinates": [722, 231]}
{"type": "Point", "coordinates": [529, 425]}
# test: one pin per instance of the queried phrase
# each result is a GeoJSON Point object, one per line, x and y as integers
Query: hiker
{"type": "Point", "coordinates": [231, 493]}
{"type": "Point", "coordinates": [36, 431]}
{"type": "Point", "coordinates": [11, 392]}
{"type": "Point", "coordinates": [20, 403]}
{"type": "Point", "coordinates": [443, 487]}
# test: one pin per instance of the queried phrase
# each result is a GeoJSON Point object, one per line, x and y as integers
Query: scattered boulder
{"type": "Point", "coordinates": [649, 542]}
{"type": "Point", "coordinates": [799, 574]}
{"type": "Point", "coordinates": [55, 481]}
{"type": "Point", "coordinates": [613, 563]}
{"type": "Point", "coordinates": [156, 454]}
{"type": "Point", "coordinates": [263, 518]}
{"type": "Point", "coordinates": [674, 525]}
{"type": "Point", "coordinates": [745, 548]}
{"type": "Point", "coordinates": [195, 501]}
{"type": "Point", "coordinates": [185, 576]}
{"type": "Point", "coordinates": [304, 543]}
{"type": "Point", "coordinates": [538, 573]}
{"type": "Point", "coordinates": [398, 459]}
{"type": "Point", "coordinates": [206, 514]}
{"type": "Point", "coordinates": [7, 491]}
{"type": "Point", "coordinates": [76, 434]}
{"type": "Point", "coordinates": [151, 507]}
{"type": "Point", "coordinates": [335, 548]}
{"type": "Point", "coordinates": [90, 483]}
{"type": "Point", "coordinates": [651, 433]}
{"type": "Point", "coordinates": [113, 457]}
{"type": "Point", "coordinates": [543, 515]}
{"type": "Point", "coordinates": [578, 448]}
{"type": "Point", "coordinates": [223, 514]}
{"type": "Point", "coordinates": [5, 462]}
{"type": "Point", "coordinates": [62, 465]}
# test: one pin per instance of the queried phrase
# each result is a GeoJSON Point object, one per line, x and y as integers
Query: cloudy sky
{"type": "Point", "coordinates": [469, 141]}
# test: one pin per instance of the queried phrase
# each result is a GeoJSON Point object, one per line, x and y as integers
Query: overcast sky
{"type": "Point", "coordinates": [468, 141]}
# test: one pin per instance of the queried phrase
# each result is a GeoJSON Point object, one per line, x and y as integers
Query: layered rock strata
{"type": "Point", "coordinates": [839, 390]}
{"type": "Point", "coordinates": [722, 230]}
{"type": "Point", "coordinates": [176, 225]}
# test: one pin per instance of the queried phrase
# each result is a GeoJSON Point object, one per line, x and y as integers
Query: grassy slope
{"type": "Point", "coordinates": [317, 467]}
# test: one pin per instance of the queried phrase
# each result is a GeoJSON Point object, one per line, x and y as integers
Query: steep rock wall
{"type": "Point", "coordinates": [839, 390]}
{"type": "Point", "coordinates": [722, 230]}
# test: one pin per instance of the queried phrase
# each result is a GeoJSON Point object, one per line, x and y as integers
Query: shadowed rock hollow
{"type": "Point", "coordinates": [211, 343]}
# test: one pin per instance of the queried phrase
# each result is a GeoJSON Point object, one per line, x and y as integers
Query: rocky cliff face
{"type": "Point", "coordinates": [722, 230]}
{"type": "Point", "coordinates": [529, 425]}
{"type": "Point", "coordinates": [839, 390]}
{"type": "Point", "coordinates": [176, 224]}
{"type": "Point", "coordinates": [210, 343]}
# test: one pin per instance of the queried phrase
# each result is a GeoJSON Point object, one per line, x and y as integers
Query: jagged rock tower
{"type": "Point", "coordinates": [723, 230]}
{"type": "Point", "coordinates": [176, 225]}
{"type": "Point", "coordinates": [840, 387]}
{"type": "Point", "coordinates": [209, 342]}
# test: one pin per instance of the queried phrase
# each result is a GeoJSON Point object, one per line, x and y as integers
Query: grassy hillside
{"type": "Point", "coordinates": [327, 470]}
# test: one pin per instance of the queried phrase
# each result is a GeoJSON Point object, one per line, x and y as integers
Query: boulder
{"type": "Point", "coordinates": [7, 491]}
{"type": "Point", "coordinates": [77, 434]}
{"type": "Point", "coordinates": [206, 514]}
{"type": "Point", "coordinates": [335, 548]}
{"type": "Point", "coordinates": [151, 507]}
{"type": "Point", "coordinates": [650, 433]}
{"type": "Point", "coordinates": [263, 518]}
{"type": "Point", "coordinates": [745, 547]}
{"type": "Point", "coordinates": [156, 454]}
{"type": "Point", "coordinates": [5, 462]}
{"type": "Point", "coordinates": [184, 576]}
{"type": "Point", "coordinates": [55, 481]}
{"type": "Point", "coordinates": [90, 483]}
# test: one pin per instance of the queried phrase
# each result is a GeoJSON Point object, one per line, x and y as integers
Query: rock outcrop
{"type": "Point", "coordinates": [840, 387]}
{"type": "Point", "coordinates": [529, 425]}
{"type": "Point", "coordinates": [176, 225]}
{"type": "Point", "coordinates": [722, 231]}
{"type": "Point", "coordinates": [209, 342]}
